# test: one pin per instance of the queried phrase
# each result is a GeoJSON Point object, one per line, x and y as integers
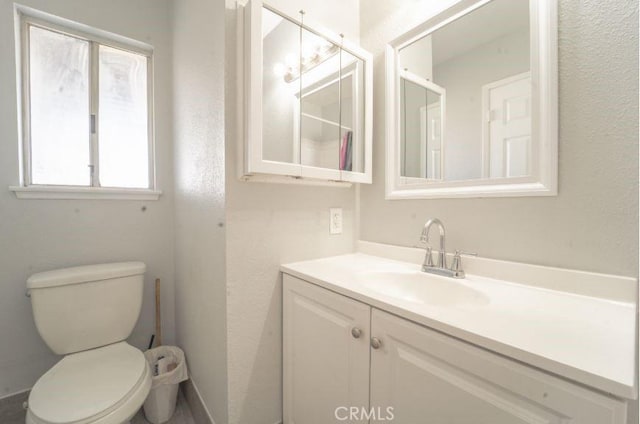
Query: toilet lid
{"type": "Point", "coordinates": [87, 384]}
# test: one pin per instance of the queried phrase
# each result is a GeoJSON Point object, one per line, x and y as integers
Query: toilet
{"type": "Point", "coordinates": [86, 313]}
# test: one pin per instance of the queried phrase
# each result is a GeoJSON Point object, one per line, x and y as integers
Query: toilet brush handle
{"type": "Point", "coordinates": [158, 316]}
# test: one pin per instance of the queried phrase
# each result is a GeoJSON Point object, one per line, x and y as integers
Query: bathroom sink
{"type": "Point", "coordinates": [420, 288]}
{"type": "Point", "coordinates": [569, 323]}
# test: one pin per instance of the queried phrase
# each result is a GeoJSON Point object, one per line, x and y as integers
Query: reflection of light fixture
{"type": "Point", "coordinates": [291, 60]}
{"type": "Point", "coordinates": [311, 58]}
{"type": "Point", "coordinates": [279, 69]}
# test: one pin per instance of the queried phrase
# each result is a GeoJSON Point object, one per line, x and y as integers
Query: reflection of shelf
{"type": "Point", "coordinates": [326, 121]}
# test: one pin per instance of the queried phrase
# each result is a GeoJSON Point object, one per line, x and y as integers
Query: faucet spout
{"type": "Point", "coordinates": [442, 255]}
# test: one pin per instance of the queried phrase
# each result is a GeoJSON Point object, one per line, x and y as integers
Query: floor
{"type": "Point", "coordinates": [12, 411]}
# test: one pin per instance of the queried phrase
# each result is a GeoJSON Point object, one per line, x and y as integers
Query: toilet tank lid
{"type": "Point", "coordinates": [83, 274]}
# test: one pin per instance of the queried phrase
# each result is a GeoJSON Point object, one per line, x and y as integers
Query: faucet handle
{"type": "Point", "coordinates": [428, 258]}
{"type": "Point", "coordinates": [423, 237]}
{"type": "Point", "coordinates": [456, 263]}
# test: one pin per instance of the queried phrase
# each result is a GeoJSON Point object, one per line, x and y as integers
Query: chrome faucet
{"type": "Point", "coordinates": [442, 255]}
{"type": "Point", "coordinates": [440, 267]}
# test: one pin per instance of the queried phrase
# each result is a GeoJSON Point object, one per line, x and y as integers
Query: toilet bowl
{"type": "Point", "coordinates": [86, 313]}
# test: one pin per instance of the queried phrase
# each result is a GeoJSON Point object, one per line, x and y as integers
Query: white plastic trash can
{"type": "Point", "coordinates": [168, 369]}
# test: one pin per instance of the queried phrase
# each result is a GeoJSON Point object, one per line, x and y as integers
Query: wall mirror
{"type": "Point", "coordinates": [472, 103]}
{"type": "Point", "coordinates": [308, 100]}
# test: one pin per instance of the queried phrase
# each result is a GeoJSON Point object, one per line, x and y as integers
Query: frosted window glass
{"type": "Point", "coordinates": [59, 100]}
{"type": "Point", "coordinates": [123, 142]}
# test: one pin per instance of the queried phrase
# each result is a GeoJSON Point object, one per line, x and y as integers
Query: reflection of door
{"type": "Point", "coordinates": [507, 127]}
{"type": "Point", "coordinates": [430, 140]}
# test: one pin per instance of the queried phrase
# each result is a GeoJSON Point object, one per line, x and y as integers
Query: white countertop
{"type": "Point", "coordinates": [588, 339]}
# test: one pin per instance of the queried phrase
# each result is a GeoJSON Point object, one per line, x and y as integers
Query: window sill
{"type": "Point", "coordinates": [92, 193]}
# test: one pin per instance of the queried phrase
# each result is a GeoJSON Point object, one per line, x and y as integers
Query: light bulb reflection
{"type": "Point", "coordinates": [279, 69]}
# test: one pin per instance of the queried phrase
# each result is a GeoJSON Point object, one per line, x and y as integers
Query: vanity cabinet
{"type": "Point", "coordinates": [424, 375]}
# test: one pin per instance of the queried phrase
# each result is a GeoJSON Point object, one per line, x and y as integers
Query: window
{"type": "Point", "coordinates": [86, 109]}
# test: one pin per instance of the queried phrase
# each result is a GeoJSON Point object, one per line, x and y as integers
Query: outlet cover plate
{"type": "Point", "coordinates": [335, 220]}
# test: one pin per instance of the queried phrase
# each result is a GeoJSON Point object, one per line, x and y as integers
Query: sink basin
{"type": "Point", "coordinates": [420, 288]}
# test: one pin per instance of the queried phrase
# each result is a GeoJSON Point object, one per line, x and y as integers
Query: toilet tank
{"type": "Point", "coordinates": [85, 307]}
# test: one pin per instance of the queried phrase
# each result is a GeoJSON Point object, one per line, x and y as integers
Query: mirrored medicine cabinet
{"type": "Point", "coordinates": [307, 101]}
{"type": "Point", "coordinates": [472, 103]}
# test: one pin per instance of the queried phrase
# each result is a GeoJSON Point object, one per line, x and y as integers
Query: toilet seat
{"type": "Point", "coordinates": [106, 385]}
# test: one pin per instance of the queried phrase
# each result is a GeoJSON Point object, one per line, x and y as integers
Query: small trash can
{"type": "Point", "coordinates": [168, 369]}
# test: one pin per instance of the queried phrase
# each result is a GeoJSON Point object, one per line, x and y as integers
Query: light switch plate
{"type": "Point", "coordinates": [335, 220]}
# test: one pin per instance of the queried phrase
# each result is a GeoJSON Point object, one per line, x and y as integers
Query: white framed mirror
{"type": "Point", "coordinates": [471, 103]}
{"type": "Point", "coordinates": [308, 93]}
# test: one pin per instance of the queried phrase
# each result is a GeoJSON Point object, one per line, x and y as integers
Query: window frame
{"type": "Point", "coordinates": [24, 19]}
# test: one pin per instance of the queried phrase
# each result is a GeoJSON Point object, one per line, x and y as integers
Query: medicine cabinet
{"type": "Point", "coordinates": [307, 95]}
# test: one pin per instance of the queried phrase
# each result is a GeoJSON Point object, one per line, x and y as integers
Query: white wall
{"type": "Point", "coordinates": [270, 224]}
{"type": "Point", "coordinates": [37, 235]}
{"type": "Point", "coordinates": [417, 58]}
{"type": "Point", "coordinates": [593, 223]}
{"type": "Point", "coordinates": [198, 71]}
{"type": "Point", "coordinates": [338, 17]}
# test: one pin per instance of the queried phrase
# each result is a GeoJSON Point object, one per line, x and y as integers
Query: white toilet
{"type": "Point", "coordinates": [86, 313]}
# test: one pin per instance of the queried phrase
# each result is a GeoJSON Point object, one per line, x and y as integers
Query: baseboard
{"type": "Point", "coordinates": [21, 393]}
{"type": "Point", "coordinates": [199, 411]}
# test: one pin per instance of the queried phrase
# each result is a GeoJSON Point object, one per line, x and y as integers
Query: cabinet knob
{"type": "Point", "coordinates": [376, 343]}
{"type": "Point", "coordinates": [356, 332]}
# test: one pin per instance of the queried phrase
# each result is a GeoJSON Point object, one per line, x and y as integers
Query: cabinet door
{"type": "Point", "coordinates": [428, 377]}
{"type": "Point", "coordinates": [272, 141]}
{"type": "Point", "coordinates": [326, 353]}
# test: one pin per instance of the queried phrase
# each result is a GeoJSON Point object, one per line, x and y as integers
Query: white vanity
{"type": "Point", "coordinates": [510, 343]}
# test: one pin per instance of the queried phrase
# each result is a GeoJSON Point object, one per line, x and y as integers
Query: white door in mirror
{"type": "Point", "coordinates": [508, 128]}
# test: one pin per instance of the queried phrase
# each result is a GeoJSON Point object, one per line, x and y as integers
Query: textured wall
{"type": "Point", "coordinates": [270, 224]}
{"type": "Point", "coordinates": [198, 71]}
{"type": "Point", "coordinates": [37, 235]}
{"type": "Point", "coordinates": [593, 223]}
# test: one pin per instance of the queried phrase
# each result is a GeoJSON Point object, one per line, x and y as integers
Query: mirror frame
{"type": "Point", "coordinates": [543, 17]}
